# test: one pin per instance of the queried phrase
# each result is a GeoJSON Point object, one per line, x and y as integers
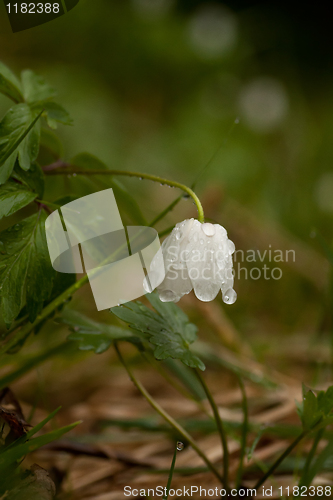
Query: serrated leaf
{"type": "Point", "coordinates": [35, 88]}
{"type": "Point", "coordinates": [13, 197]}
{"type": "Point", "coordinates": [26, 273]}
{"type": "Point", "coordinates": [168, 329]}
{"type": "Point", "coordinates": [54, 114]}
{"type": "Point", "coordinates": [91, 335]}
{"type": "Point", "coordinates": [125, 200]}
{"type": "Point", "coordinates": [19, 137]}
{"type": "Point", "coordinates": [9, 84]}
{"type": "Point", "coordinates": [33, 178]}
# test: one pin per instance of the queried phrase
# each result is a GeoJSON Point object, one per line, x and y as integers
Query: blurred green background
{"type": "Point", "coordinates": [157, 85]}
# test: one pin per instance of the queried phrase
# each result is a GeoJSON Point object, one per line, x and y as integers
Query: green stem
{"type": "Point", "coordinates": [47, 311]}
{"type": "Point", "coordinates": [180, 430]}
{"type": "Point", "coordinates": [280, 459]}
{"type": "Point", "coordinates": [172, 468]}
{"type": "Point", "coordinates": [309, 458]}
{"type": "Point", "coordinates": [48, 203]}
{"type": "Point", "coordinates": [244, 433]}
{"type": "Point", "coordinates": [220, 428]}
{"type": "Point", "coordinates": [72, 169]}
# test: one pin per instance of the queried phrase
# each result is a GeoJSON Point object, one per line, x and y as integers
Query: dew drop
{"type": "Point", "coordinates": [179, 234]}
{"type": "Point", "coordinates": [180, 446]}
{"type": "Point", "coordinates": [167, 296]}
{"type": "Point", "coordinates": [230, 296]}
{"type": "Point", "coordinates": [201, 241]}
{"type": "Point", "coordinates": [208, 229]}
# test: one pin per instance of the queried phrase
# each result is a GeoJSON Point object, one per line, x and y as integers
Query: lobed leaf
{"type": "Point", "coordinates": [26, 274]}
{"type": "Point", "coordinates": [56, 114]}
{"type": "Point", "coordinates": [33, 178]}
{"type": "Point", "coordinates": [316, 410]}
{"type": "Point", "coordinates": [13, 197]}
{"type": "Point", "coordinates": [35, 88]}
{"type": "Point", "coordinates": [168, 329]}
{"type": "Point", "coordinates": [19, 138]}
{"type": "Point", "coordinates": [9, 84]}
{"type": "Point", "coordinates": [91, 335]}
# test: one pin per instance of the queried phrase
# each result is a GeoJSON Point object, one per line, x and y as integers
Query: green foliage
{"type": "Point", "coordinates": [167, 328]}
{"type": "Point", "coordinates": [26, 274]}
{"type": "Point", "coordinates": [27, 279]}
{"type": "Point", "coordinates": [316, 410]}
{"type": "Point", "coordinates": [21, 485]}
{"type": "Point", "coordinates": [19, 138]}
{"type": "Point", "coordinates": [13, 197]}
{"type": "Point", "coordinates": [9, 84]}
{"type": "Point", "coordinates": [91, 335]}
{"type": "Point", "coordinates": [125, 201]}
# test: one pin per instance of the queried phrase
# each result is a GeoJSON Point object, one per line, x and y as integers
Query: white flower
{"type": "Point", "coordinates": [197, 256]}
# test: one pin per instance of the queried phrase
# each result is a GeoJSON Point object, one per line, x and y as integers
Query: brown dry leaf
{"type": "Point", "coordinates": [11, 413]}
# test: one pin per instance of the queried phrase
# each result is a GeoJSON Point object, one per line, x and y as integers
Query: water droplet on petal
{"type": "Point", "coordinates": [208, 229]}
{"type": "Point", "coordinates": [179, 234]}
{"type": "Point", "coordinates": [180, 446]}
{"type": "Point", "coordinates": [231, 247]}
{"type": "Point", "coordinates": [230, 296]}
{"type": "Point", "coordinates": [167, 296]}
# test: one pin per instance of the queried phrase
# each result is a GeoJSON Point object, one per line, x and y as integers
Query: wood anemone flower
{"type": "Point", "coordinates": [197, 256]}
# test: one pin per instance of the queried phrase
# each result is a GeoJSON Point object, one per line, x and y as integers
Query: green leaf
{"type": "Point", "coordinates": [26, 274]}
{"type": "Point", "coordinates": [91, 335]}
{"type": "Point", "coordinates": [19, 137]}
{"type": "Point", "coordinates": [168, 329]}
{"type": "Point", "coordinates": [125, 200]}
{"type": "Point", "coordinates": [51, 142]}
{"type": "Point", "coordinates": [15, 453]}
{"type": "Point", "coordinates": [310, 409]}
{"type": "Point", "coordinates": [316, 409]}
{"type": "Point", "coordinates": [35, 88]}
{"type": "Point", "coordinates": [55, 114]}
{"type": "Point", "coordinates": [320, 463]}
{"type": "Point", "coordinates": [33, 178]}
{"type": "Point", "coordinates": [9, 84]}
{"type": "Point", "coordinates": [13, 197]}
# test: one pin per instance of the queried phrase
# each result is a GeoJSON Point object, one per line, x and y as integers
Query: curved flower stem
{"type": "Point", "coordinates": [172, 468]}
{"type": "Point", "coordinates": [280, 459]}
{"type": "Point", "coordinates": [72, 169]}
{"type": "Point", "coordinates": [244, 433]}
{"type": "Point", "coordinates": [220, 428]}
{"type": "Point", "coordinates": [180, 430]}
{"type": "Point", "coordinates": [48, 310]}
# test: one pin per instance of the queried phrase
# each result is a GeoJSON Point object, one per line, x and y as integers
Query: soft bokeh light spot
{"type": "Point", "coordinates": [263, 104]}
{"type": "Point", "coordinates": [324, 192]}
{"type": "Point", "coordinates": [152, 8]}
{"type": "Point", "coordinates": [213, 31]}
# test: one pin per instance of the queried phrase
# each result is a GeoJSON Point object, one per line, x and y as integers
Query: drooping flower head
{"type": "Point", "coordinates": [197, 256]}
